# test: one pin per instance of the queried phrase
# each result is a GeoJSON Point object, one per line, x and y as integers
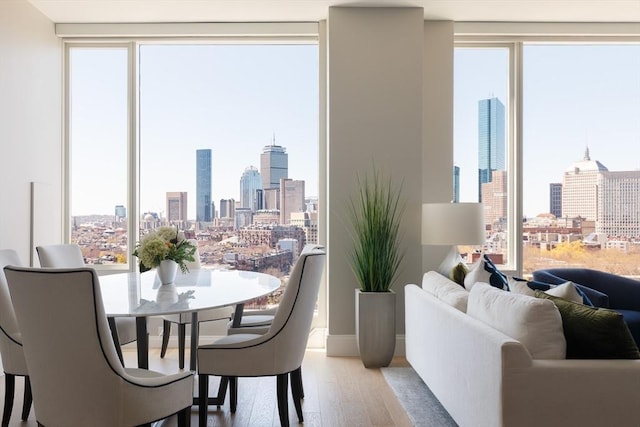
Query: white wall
{"type": "Point", "coordinates": [30, 123]}
{"type": "Point", "coordinates": [374, 101]}
{"type": "Point", "coordinates": [437, 153]}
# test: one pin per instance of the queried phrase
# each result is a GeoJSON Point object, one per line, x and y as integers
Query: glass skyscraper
{"type": "Point", "coordinates": [491, 140]}
{"type": "Point", "coordinates": [203, 185]}
{"type": "Point", "coordinates": [250, 183]}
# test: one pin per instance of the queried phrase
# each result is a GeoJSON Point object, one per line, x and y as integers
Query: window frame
{"type": "Point", "coordinates": [515, 36]}
{"type": "Point", "coordinates": [132, 36]}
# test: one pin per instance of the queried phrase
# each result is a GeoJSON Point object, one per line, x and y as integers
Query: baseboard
{"type": "Point", "coordinates": [347, 346]}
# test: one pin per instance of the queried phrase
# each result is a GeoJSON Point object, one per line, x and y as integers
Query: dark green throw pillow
{"type": "Point", "coordinates": [594, 333]}
{"type": "Point", "coordinates": [458, 273]}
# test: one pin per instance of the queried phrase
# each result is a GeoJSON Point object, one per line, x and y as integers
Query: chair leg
{"type": "Point", "coordinates": [297, 377]}
{"type": "Point", "coordinates": [296, 391]}
{"type": "Point", "coordinates": [114, 337]}
{"type": "Point", "coordinates": [28, 399]}
{"type": "Point", "coordinates": [283, 406]}
{"type": "Point", "coordinates": [182, 332]}
{"type": "Point", "coordinates": [184, 417]}
{"type": "Point", "coordinates": [233, 394]}
{"type": "Point", "coordinates": [9, 390]}
{"type": "Point", "coordinates": [203, 393]}
{"type": "Point", "coordinates": [166, 333]}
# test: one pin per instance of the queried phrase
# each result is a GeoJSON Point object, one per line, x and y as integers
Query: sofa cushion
{"type": "Point", "coordinates": [527, 287]}
{"type": "Point", "coordinates": [537, 326]}
{"type": "Point", "coordinates": [445, 290]}
{"type": "Point", "coordinates": [484, 271]}
{"type": "Point", "coordinates": [632, 319]}
{"type": "Point", "coordinates": [566, 291]}
{"type": "Point", "coordinates": [594, 333]}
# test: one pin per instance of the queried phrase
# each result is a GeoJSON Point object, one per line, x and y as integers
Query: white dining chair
{"type": "Point", "coordinates": [70, 256]}
{"type": "Point", "coordinates": [76, 376]}
{"type": "Point", "coordinates": [11, 350]}
{"type": "Point", "coordinates": [184, 319]}
{"type": "Point", "coordinates": [258, 321]}
{"type": "Point", "coordinates": [278, 352]}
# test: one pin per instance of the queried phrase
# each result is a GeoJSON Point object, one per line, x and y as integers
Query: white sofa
{"type": "Point", "coordinates": [485, 378]}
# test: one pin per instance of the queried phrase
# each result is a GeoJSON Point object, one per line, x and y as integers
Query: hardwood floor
{"type": "Point", "coordinates": [339, 391]}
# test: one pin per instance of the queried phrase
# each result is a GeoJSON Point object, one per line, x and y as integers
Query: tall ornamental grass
{"type": "Point", "coordinates": [376, 214]}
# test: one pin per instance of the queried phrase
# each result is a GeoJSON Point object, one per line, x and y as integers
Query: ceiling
{"type": "Point", "coordinates": [91, 11]}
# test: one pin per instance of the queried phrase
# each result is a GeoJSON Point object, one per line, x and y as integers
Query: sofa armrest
{"type": "Point", "coordinates": [459, 358]}
{"type": "Point", "coordinates": [573, 392]}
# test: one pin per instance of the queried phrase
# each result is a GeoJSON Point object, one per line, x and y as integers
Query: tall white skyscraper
{"type": "Point", "coordinates": [250, 183]}
{"type": "Point", "coordinates": [579, 188]}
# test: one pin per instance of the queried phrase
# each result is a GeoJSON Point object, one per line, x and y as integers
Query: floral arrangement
{"type": "Point", "coordinates": [165, 243]}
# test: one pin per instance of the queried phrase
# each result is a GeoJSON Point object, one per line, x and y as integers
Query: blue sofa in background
{"type": "Point", "coordinates": [623, 293]}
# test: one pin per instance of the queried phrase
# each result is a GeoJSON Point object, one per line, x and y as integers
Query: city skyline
{"type": "Point", "coordinates": [574, 96]}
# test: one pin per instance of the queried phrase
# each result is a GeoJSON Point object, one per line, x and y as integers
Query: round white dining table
{"type": "Point", "coordinates": [141, 295]}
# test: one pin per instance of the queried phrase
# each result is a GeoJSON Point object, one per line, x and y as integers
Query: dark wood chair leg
{"type": "Point", "coordinates": [283, 404]}
{"type": "Point", "coordinates": [233, 394]}
{"type": "Point", "coordinates": [296, 391]}
{"type": "Point", "coordinates": [296, 381]}
{"type": "Point", "coordinates": [203, 393]}
{"type": "Point", "coordinates": [166, 333]}
{"type": "Point", "coordinates": [27, 400]}
{"type": "Point", "coordinates": [114, 337]}
{"type": "Point", "coordinates": [182, 332]}
{"type": "Point", "coordinates": [9, 390]}
{"type": "Point", "coordinates": [184, 417]}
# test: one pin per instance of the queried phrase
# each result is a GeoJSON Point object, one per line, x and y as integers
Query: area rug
{"type": "Point", "coordinates": [422, 407]}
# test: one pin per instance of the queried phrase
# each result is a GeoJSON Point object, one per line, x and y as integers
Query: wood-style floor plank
{"type": "Point", "coordinates": [339, 391]}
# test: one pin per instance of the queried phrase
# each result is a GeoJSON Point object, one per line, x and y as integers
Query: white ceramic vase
{"type": "Point", "coordinates": [167, 271]}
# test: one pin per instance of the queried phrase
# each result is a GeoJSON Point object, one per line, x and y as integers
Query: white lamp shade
{"type": "Point", "coordinates": [453, 224]}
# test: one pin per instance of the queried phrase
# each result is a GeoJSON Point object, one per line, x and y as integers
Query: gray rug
{"type": "Point", "coordinates": [422, 407]}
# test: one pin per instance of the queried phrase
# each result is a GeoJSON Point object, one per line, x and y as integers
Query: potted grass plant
{"type": "Point", "coordinates": [376, 213]}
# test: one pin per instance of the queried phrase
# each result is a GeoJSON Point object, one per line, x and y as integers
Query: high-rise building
{"type": "Point", "coordinates": [491, 140]}
{"type": "Point", "coordinates": [555, 199]}
{"type": "Point", "coordinates": [250, 183]}
{"type": "Point", "coordinates": [291, 199]}
{"type": "Point", "coordinates": [494, 199]}
{"type": "Point", "coordinates": [456, 184]}
{"type": "Point", "coordinates": [611, 199]}
{"type": "Point", "coordinates": [274, 166]}
{"type": "Point", "coordinates": [177, 207]}
{"type": "Point", "coordinates": [227, 208]}
{"type": "Point", "coordinates": [580, 188]}
{"type": "Point", "coordinates": [203, 185]}
{"type": "Point", "coordinates": [271, 198]}
{"type": "Point", "coordinates": [121, 212]}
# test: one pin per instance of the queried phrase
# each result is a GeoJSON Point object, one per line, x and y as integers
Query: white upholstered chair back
{"type": "Point", "coordinates": [60, 256]}
{"type": "Point", "coordinates": [282, 348]}
{"type": "Point", "coordinates": [292, 322]}
{"type": "Point", "coordinates": [76, 376]}
{"type": "Point", "coordinates": [13, 361]}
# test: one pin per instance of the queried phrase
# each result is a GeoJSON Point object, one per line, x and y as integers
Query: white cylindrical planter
{"type": "Point", "coordinates": [376, 327]}
{"type": "Point", "coordinates": [167, 271]}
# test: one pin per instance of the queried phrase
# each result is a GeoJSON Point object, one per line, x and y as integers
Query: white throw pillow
{"type": "Point", "coordinates": [476, 274]}
{"type": "Point", "coordinates": [452, 259]}
{"type": "Point", "coordinates": [520, 287]}
{"type": "Point", "coordinates": [566, 291]}
{"type": "Point", "coordinates": [532, 321]}
{"type": "Point", "coordinates": [445, 290]}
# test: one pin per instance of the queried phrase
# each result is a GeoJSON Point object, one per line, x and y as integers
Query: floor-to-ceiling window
{"type": "Point", "coordinates": [174, 133]}
{"type": "Point", "coordinates": [575, 174]}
